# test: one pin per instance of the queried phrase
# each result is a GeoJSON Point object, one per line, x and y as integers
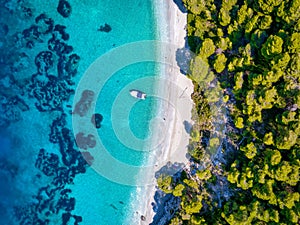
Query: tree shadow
{"type": "Point", "coordinates": [187, 126]}
{"type": "Point", "coordinates": [166, 205]}
{"type": "Point", "coordinates": [170, 169]}
{"type": "Point", "coordinates": [183, 59]}
{"type": "Point", "coordinates": [180, 5]}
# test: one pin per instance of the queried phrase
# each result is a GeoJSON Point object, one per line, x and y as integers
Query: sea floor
{"type": "Point", "coordinates": [45, 50]}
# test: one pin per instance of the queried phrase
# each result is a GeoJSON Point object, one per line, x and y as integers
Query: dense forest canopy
{"type": "Point", "coordinates": [248, 62]}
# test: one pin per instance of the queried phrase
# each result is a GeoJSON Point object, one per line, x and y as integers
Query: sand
{"type": "Point", "coordinates": [175, 109]}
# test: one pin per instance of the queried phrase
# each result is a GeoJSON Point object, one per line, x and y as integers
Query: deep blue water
{"type": "Point", "coordinates": [45, 50]}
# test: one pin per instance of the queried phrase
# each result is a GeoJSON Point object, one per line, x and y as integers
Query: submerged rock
{"type": "Point", "coordinates": [97, 119]}
{"type": "Point", "coordinates": [61, 30]}
{"type": "Point", "coordinates": [66, 217]}
{"type": "Point", "coordinates": [44, 61]}
{"type": "Point", "coordinates": [47, 163]}
{"type": "Point", "coordinates": [3, 29]}
{"type": "Point", "coordinates": [56, 128]}
{"type": "Point", "coordinates": [45, 24]}
{"type": "Point", "coordinates": [59, 47]}
{"type": "Point", "coordinates": [72, 64]}
{"type": "Point", "coordinates": [64, 8]}
{"type": "Point", "coordinates": [105, 28]}
{"type": "Point", "coordinates": [30, 44]}
{"type": "Point", "coordinates": [31, 33]}
{"type": "Point", "coordinates": [11, 109]}
{"type": "Point", "coordinates": [51, 94]}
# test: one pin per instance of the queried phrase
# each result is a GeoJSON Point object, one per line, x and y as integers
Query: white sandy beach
{"type": "Point", "coordinates": [175, 109]}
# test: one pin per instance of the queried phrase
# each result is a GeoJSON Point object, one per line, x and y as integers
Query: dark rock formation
{"type": "Point", "coordinates": [11, 109]}
{"type": "Point", "coordinates": [65, 203]}
{"type": "Point", "coordinates": [105, 28]}
{"type": "Point", "coordinates": [59, 47]}
{"type": "Point", "coordinates": [77, 219]}
{"type": "Point", "coordinates": [29, 44]}
{"type": "Point", "coordinates": [44, 61]}
{"type": "Point", "coordinates": [67, 67]}
{"type": "Point", "coordinates": [64, 8]}
{"type": "Point", "coordinates": [28, 215]}
{"type": "Point", "coordinates": [166, 206]}
{"type": "Point", "coordinates": [53, 198]}
{"type": "Point", "coordinates": [97, 119]}
{"type": "Point", "coordinates": [180, 6]}
{"type": "Point", "coordinates": [26, 12]}
{"type": "Point", "coordinates": [3, 30]}
{"type": "Point", "coordinates": [56, 128]}
{"type": "Point", "coordinates": [62, 177]}
{"type": "Point", "coordinates": [72, 64]}
{"type": "Point", "coordinates": [44, 23]}
{"type": "Point", "coordinates": [47, 163]}
{"type": "Point", "coordinates": [51, 90]}
{"type": "Point", "coordinates": [31, 33]}
{"type": "Point", "coordinates": [66, 217]}
{"type": "Point", "coordinates": [51, 94]}
{"type": "Point", "coordinates": [61, 30]}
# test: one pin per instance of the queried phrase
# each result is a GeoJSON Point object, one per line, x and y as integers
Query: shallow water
{"type": "Point", "coordinates": [43, 177]}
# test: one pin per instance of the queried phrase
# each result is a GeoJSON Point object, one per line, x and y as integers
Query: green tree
{"type": "Point", "coordinates": [239, 122]}
{"type": "Point", "coordinates": [224, 17]}
{"type": "Point", "coordinates": [238, 81]}
{"type": "Point", "coordinates": [273, 157]}
{"type": "Point", "coordinates": [250, 150]}
{"type": "Point", "coordinates": [207, 48]}
{"type": "Point", "coordinates": [204, 174]}
{"type": "Point", "coordinates": [267, 6]}
{"type": "Point", "coordinates": [290, 215]}
{"type": "Point", "coordinates": [244, 182]}
{"type": "Point", "coordinates": [244, 14]}
{"type": "Point", "coordinates": [233, 174]}
{"type": "Point", "coordinates": [258, 37]}
{"type": "Point", "coordinates": [165, 182]}
{"type": "Point", "coordinates": [220, 63]}
{"type": "Point", "coordinates": [286, 140]}
{"type": "Point", "coordinates": [294, 66]}
{"type": "Point", "coordinates": [288, 117]}
{"type": "Point", "coordinates": [268, 139]}
{"type": "Point", "coordinates": [176, 221]}
{"type": "Point", "coordinates": [192, 184]}
{"type": "Point", "coordinates": [265, 192]}
{"type": "Point", "coordinates": [294, 45]}
{"type": "Point", "coordinates": [178, 190]}
{"type": "Point", "coordinates": [288, 200]}
{"type": "Point", "coordinates": [272, 47]}
{"type": "Point", "coordinates": [197, 220]}
{"type": "Point", "coordinates": [191, 206]}
{"type": "Point", "coordinates": [265, 22]}
{"type": "Point", "coordinates": [280, 63]}
{"type": "Point", "coordinates": [282, 171]}
{"type": "Point", "coordinates": [199, 71]}
{"type": "Point", "coordinates": [214, 142]}
{"type": "Point", "coordinates": [251, 25]}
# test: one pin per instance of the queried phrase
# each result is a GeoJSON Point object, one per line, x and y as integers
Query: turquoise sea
{"type": "Point", "coordinates": [45, 50]}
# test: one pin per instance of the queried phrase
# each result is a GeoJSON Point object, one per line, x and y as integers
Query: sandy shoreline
{"type": "Point", "coordinates": [175, 108]}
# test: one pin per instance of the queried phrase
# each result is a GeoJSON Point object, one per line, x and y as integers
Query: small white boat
{"type": "Point", "coordinates": [138, 94]}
